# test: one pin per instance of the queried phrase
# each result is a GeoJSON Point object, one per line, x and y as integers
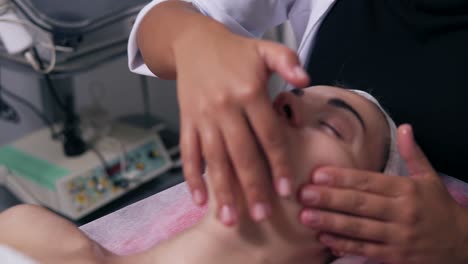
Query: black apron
{"type": "Point", "coordinates": [413, 57]}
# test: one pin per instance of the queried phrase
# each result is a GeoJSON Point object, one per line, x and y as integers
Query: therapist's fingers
{"type": "Point", "coordinates": [349, 226]}
{"type": "Point", "coordinates": [349, 201]}
{"type": "Point", "coordinates": [249, 165]}
{"type": "Point", "coordinates": [272, 138]}
{"type": "Point", "coordinates": [192, 162]}
{"type": "Point", "coordinates": [415, 159]}
{"type": "Point", "coordinates": [284, 61]}
{"type": "Point", "coordinates": [371, 182]}
{"type": "Point", "coordinates": [219, 171]}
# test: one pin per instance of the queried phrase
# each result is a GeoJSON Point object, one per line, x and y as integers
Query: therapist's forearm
{"type": "Point", "coordinates": [167, 25]}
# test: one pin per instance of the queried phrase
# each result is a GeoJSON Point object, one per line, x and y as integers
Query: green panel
{"type": "Point", "coordinates": [31, 168]}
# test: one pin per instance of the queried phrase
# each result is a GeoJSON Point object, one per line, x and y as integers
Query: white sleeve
{"type": "Point", "coordinates": [250, 18]}
{"type": "Point", "coordinates": [11, 256]}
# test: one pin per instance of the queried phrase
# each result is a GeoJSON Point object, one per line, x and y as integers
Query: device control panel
{"type": "Point", "coordinates": [102, 184]}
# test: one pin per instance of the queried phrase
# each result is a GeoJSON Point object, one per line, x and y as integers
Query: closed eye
{"type": "Point", "coordinates": [331, 129]}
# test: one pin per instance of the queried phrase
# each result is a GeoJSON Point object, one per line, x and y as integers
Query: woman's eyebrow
{"type": "Point", "coordinates": [339, 103]}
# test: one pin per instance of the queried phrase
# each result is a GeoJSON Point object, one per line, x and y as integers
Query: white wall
{"type": "Point", "coordinates": [123, 93]}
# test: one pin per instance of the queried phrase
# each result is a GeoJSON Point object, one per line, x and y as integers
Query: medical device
{"type": "Point", "coordinates": [38, 172]}
{"type": "Point", "coordinates": [68, 39]}
{"type": "Point", "coordinates": [57, 39]}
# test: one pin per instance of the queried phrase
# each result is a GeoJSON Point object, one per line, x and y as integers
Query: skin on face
{"type": "Point", "coordinates": [325, 126]}
{"type": "Point", "coordinates": [322, 129]}
{"type": "Point", "coordinates": [332, 126]}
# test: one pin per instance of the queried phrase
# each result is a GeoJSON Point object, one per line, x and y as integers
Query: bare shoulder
{"type": "Point", "coordinates": [28, 220]}
{"type": "Point", "coordinates": [41, 234]}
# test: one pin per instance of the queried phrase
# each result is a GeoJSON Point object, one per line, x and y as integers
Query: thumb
{"type": "Point", "coordinates": [415, 160]}
{"type": "Point", "coordinates": [284, 61]}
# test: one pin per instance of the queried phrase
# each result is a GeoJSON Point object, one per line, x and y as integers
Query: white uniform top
{"type": "Point", "coordinates": [250, 18]}
{"type": "Point", "coordinates": [11, 256]}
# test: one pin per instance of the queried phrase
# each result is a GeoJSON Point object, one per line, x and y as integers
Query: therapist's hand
{"type": "Point", "coordinates": [390, 219]}
{"type": "Point", "coordinates": [227, 118]}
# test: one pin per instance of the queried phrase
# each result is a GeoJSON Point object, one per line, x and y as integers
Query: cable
{"type": "Point", "coordinates": [102, 159]}
{"type": "Point", "coordinates": [146, 101]}
{"type": "Point", "coordinates": [7, 112]}
{"type": "Point", "coordinates": [73, 143]}
{"type": "Point", "coordinates": [49, 82]}
{"type": "Point", "coordinates": [31, 107]}
{"type": "Point", "coordinates": [50, 124]}
{"type": "Point", "coordinates": [30, 57]}
{"type": "Point", "coordinates": [122, 156]}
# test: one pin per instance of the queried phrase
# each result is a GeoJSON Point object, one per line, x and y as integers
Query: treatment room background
{"type": "Point", "coordinates": [112, 87]}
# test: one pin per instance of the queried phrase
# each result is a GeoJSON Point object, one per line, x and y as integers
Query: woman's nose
{"type": "Point", "coordinates": [288, 106]}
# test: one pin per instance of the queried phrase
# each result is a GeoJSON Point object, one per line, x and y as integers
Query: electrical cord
{"type": "Point", "coordinates": [49, 82]}
{"type": "Point", "coordinates": [102, 160]}
{"type": "Point", "coordinates": [73, 143]}
{"type": "Point", "coordinates": [7, 112]}
{"type": "Point", "coordinates": [123, 153]}
{"type": "Point", "coordinates": [33, 108]}
{"type": "Point", "coordinates": [28, 56]}
{"type": "Point", "coordinates": [49, 123]}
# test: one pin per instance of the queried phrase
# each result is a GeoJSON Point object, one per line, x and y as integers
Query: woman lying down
{"type": "Point", "coordinates": [324, 126]}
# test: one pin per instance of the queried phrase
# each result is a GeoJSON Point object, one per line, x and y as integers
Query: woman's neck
{"type": "Point", "coordinates": [267, 242]}
{"type": "Point", "coordinates": [273, 241]}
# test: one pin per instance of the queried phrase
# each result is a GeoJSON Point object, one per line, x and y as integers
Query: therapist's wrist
{"type": "Point", "coordinates": [202, 31]}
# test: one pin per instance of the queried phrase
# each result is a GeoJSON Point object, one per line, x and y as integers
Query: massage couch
{"type": "Point", "coordinates": [146, 223]}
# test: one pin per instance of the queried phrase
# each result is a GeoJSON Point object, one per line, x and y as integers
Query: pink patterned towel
{"type": "Point", "coordinates": [148, 222]}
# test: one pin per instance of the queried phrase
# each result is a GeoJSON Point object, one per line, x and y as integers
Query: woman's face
{"type": "Point", "coordinates": [332, 126]}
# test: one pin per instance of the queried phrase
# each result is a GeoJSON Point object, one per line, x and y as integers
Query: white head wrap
{"type": "Point", "coordinates": [395, 164]}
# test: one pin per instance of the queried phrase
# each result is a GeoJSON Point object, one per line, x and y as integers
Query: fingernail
{"type": "Point", "coordinates": [227, 215]}
{"type": "Point", "coordinates": [322, 178]}
{"type": "Point", "coordinates": [299, 72]}
{"type": "Point", "coordinates": [260, 212]}
{"type": "Point", "coordinates": [284, 187]}
{"type": "Point", "coordinates": [198, 197]}
{"type": "Point", "coordinates": [405, 129]}
{"type": "Point", "coordinates": [310, 217]}
{"type": "Point", "coordinates": [310, 196]}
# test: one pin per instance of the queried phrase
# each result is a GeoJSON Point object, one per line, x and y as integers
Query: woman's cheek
{"type": "Point", "coordinates": [311, 148]}
{"type": "Point", "coordinates": [324, 150]}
